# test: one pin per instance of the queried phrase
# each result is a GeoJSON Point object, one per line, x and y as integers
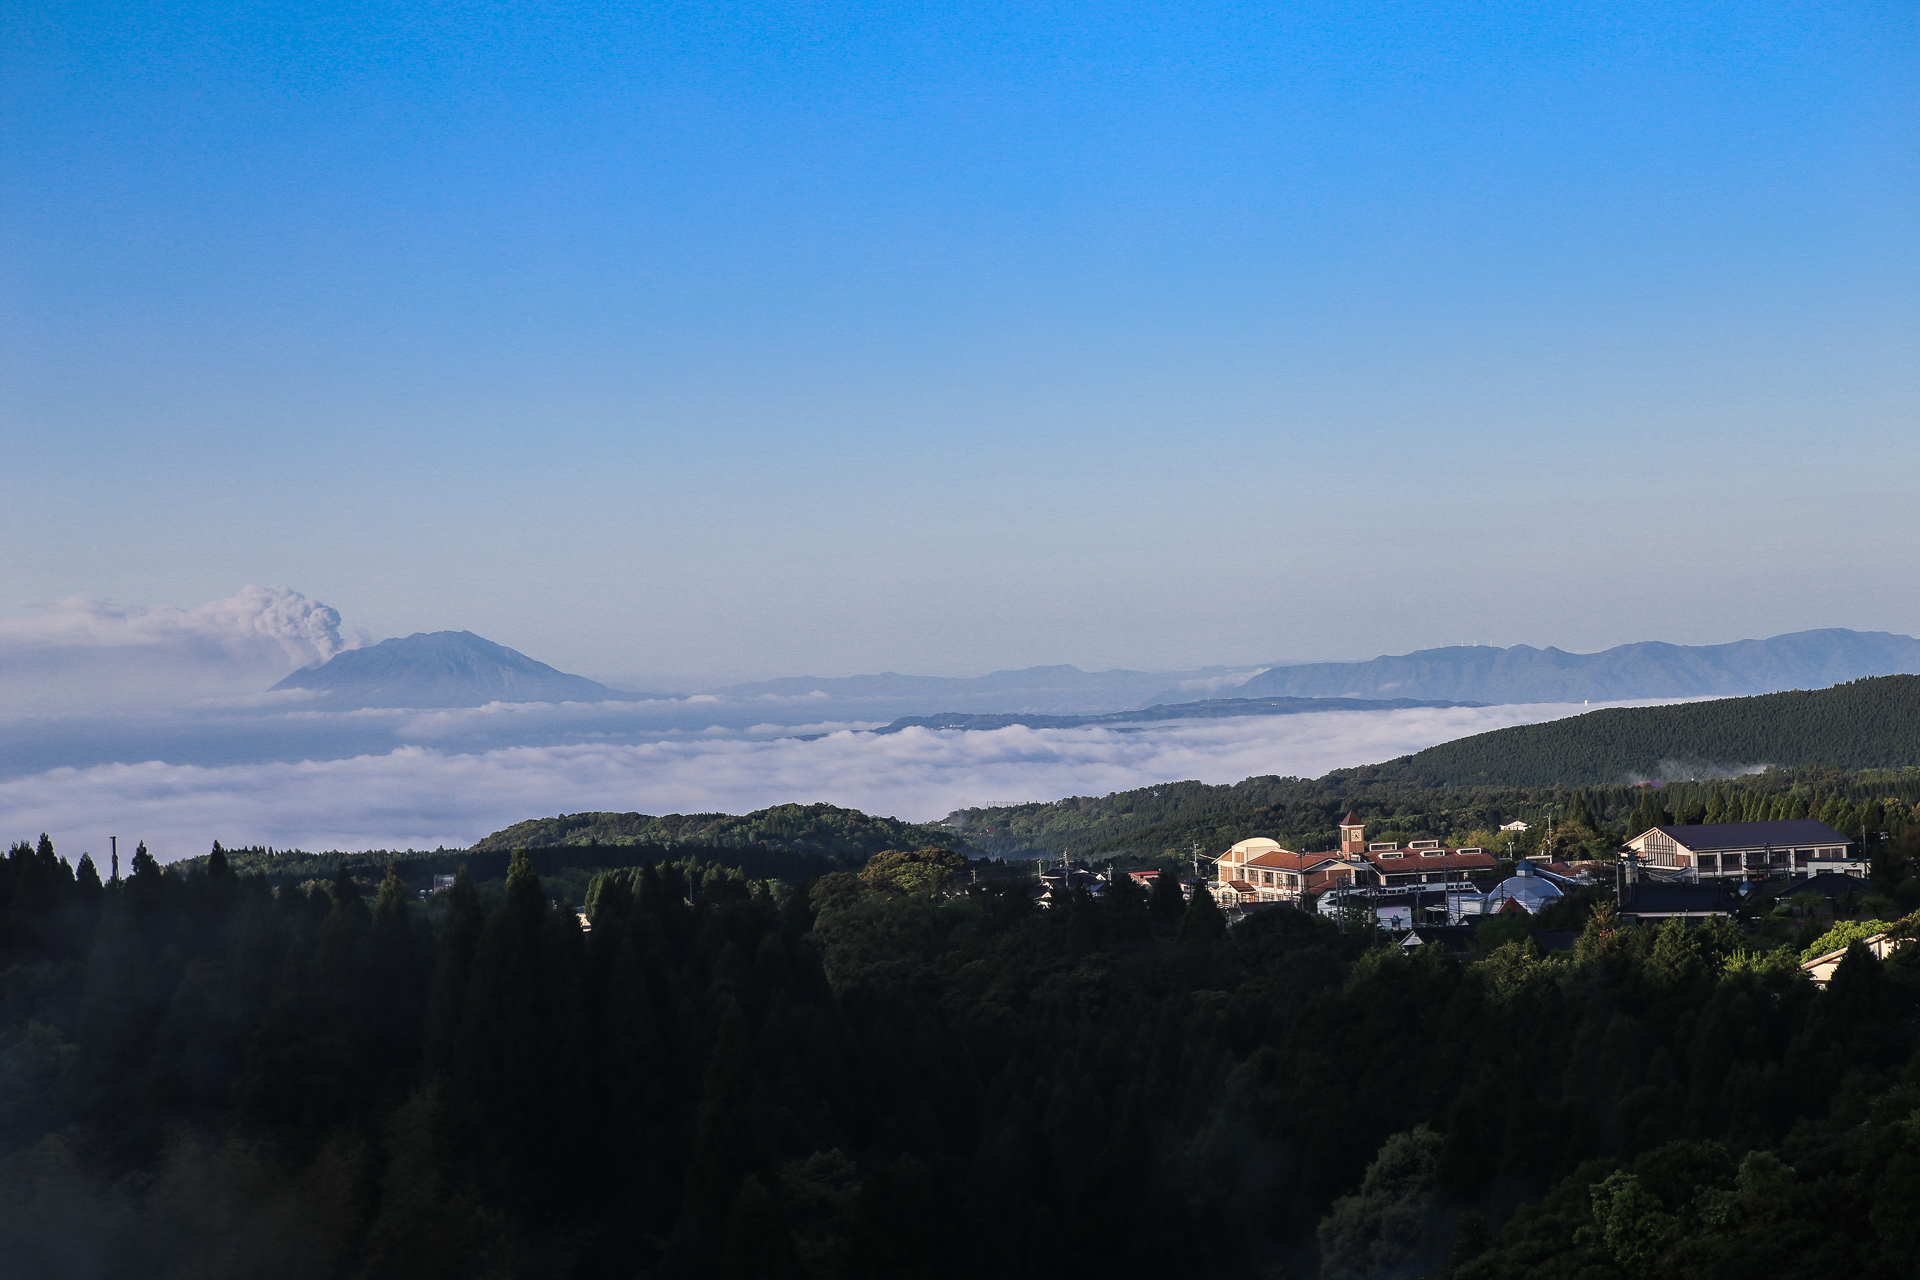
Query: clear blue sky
{"type": "Point", "coordinates": [698, 342]}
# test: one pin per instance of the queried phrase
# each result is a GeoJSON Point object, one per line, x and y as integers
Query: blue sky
{"type": "Point", "coordinates": [695, 343]}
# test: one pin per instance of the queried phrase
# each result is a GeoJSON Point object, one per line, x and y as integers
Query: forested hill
{"type": "Point", "coordinates": [822, 829]}
{"type": "Point", "coordinates": [1865, 724]}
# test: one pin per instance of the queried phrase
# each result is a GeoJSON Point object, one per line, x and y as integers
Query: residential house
{"type": "Point", "coordinates": [1821, 968]}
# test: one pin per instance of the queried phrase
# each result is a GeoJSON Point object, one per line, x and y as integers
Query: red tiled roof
{"type": "Point", "coordinates": [1428, 860]}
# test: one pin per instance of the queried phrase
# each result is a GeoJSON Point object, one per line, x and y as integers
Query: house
{"type": "Point", "coordinates": [1515, 825]}
{"type": "Point", "coordinates": [1827, 884]}
{"type": "Point", "coordinates": [1452, 939]}
{"type": "Point", "coordinates": [1796, 847]}
{"type": "Point", "coordinates": [1821, 968]}
{"type": "Point", "coordinates": [1056, 888]}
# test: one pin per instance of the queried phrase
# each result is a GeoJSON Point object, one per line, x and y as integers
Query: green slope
{"type": "Point", "coordinates": [1866, 724]}
{"type": "Point", "coordinates": [795, 828]}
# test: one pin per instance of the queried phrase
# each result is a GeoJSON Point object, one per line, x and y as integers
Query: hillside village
{"type": "Point", "coordinates": [1427, 892]}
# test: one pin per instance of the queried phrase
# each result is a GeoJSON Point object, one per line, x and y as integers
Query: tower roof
{"type": "Point", "coordinates": [1352, 820]}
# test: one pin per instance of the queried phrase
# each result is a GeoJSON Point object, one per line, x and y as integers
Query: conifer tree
{"type": "Point", "coordinates": [1202, 921]}
{"type": "Point", "coordinates": [1579, 815]}
{"type": "Point", "coordinates": [1717, 806]}
{"type": "Point", "coordinates": [1167, 901]}
{"type": "Point", "coordinates": [459, 939]}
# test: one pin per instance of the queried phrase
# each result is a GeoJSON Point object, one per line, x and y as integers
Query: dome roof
{"type": "Point", "coordinates": [1531, 892]}
{"type": "Point", "coordinates": [1255, 847]}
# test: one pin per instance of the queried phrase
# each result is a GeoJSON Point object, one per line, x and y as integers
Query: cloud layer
{"type": "Point", "coordinates": [417, 797]}
{"type": "Point", "coordinates": [81, 654]}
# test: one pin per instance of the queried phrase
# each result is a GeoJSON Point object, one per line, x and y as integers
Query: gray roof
{"type": "Point", "coordinates": [1662, 898]}
{"type": "Point", "coordinates": [1710, 836]}
{"type": "Point", "coordinates": [1830, 884]}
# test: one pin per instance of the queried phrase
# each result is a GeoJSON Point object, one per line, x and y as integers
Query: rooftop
{"type": "Point", "coordinates": [1707, 837]}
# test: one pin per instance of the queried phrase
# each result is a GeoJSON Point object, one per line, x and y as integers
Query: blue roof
{"type": "Point", "coordinates": [1753, 835]}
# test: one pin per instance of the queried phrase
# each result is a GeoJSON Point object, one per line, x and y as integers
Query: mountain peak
{"type": "Point", "coordinates": [445, 669]}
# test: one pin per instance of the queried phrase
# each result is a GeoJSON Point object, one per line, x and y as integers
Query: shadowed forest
{"type": "Point", "coordinates": [871, 1075]}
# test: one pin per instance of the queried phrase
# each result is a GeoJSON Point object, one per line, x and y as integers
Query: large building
{"type": "Point", "coordinates": [1260, 870]}
{"type": "Point", "coordinates": [1797, 847]}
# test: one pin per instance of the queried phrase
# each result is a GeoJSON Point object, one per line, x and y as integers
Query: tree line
{"type": "Point", "coordinates": [894, 1075]}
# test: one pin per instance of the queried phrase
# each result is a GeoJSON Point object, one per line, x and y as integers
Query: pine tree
{"type": "Point", "coordinates": [87, 879]}
{"type": "Point", "coordinates": [1579, 815]}
{"type": "Point", "coordinates": [459, 939]}
{"type": "Point", "coordinates": [1202, 921]}
{"type": "Point", "coordinates": [217, 868]}
{"type": "Point", "coordinates": [1167, 901]}
{"type": "Point", "coordinates": [1717, 807]}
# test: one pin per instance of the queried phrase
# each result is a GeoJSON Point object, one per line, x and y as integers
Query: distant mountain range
{"type": "Point", "coordinates": [445, 669]}
{"type": "Point", "coordinates": [460, 669]}
{"type": "Point", "coordinates": [1801, 660]}
{"type": "Point", "coordinates": [1213, 709]}
{"type": "Point", "coordinates": [1054, 690]}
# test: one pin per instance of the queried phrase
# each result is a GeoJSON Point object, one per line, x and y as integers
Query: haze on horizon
{"type": "Point", "coordinates": [681, 347]}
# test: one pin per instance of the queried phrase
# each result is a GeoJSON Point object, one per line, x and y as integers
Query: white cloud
{"type": "Point", "coordinates": [81, 654]}
{"type": "Point", "coordinates": [421, 798]}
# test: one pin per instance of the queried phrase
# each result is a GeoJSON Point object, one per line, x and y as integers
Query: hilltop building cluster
{"type": "Point", "coordinates": [1686, 872]}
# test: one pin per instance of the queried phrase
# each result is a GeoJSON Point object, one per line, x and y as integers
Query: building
{"type": "Point", "coordinates": [1402, 884]}
{"type": "Point", "coordinates": [1821, 968]}
{"type": "Point", "coordinates": [1648, 899]}
{"type": "Point", "coordinates": [1797, 847]}
{"type": "Point", "coordinates": [1524, 890]}
{"type": "Point", "coordinates": [1516, 825]}
{"type": "Point", "coordinates": [1260, 870]}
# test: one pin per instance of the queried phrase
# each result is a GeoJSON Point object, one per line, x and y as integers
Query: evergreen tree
{"type": "Point", "coordinates": [1579, 815]}
{"type": "Point", "coordinates": [459, 939]}
{"type": "Point", "coordinates": [1167, 902]}
{"type": "Point", "coordinates": [1717, 807]}
{"type": "Point", "coordinates": [1202, 922]}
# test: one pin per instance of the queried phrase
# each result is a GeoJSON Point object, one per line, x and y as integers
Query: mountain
{"type": "Point", "coordinates": [445, 669]}
{"type": "Point", "coordinates": [1212, 709]}
{"type": "Point", "coordinates": [1864, 724]}
{"type": "Point", "coordinates": [1801, 660]}
{"type": "Point", "coordinates": [1055, 690]}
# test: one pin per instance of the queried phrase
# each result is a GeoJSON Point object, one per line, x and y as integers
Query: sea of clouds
{"type": "Point", "coordinates": [154, 724]}
{"type": "Point", "coordinates": [421, 797]}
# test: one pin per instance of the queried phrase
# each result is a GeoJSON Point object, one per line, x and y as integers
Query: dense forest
{"type": "Point", "coordinates": [821, 829]}
{"type": "Point", "coordinates": [1864, 724]}
{"type": "Point", "coordinates": [1165, 822]}
{"type": "Point", "coordinates": [875, 1074]}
